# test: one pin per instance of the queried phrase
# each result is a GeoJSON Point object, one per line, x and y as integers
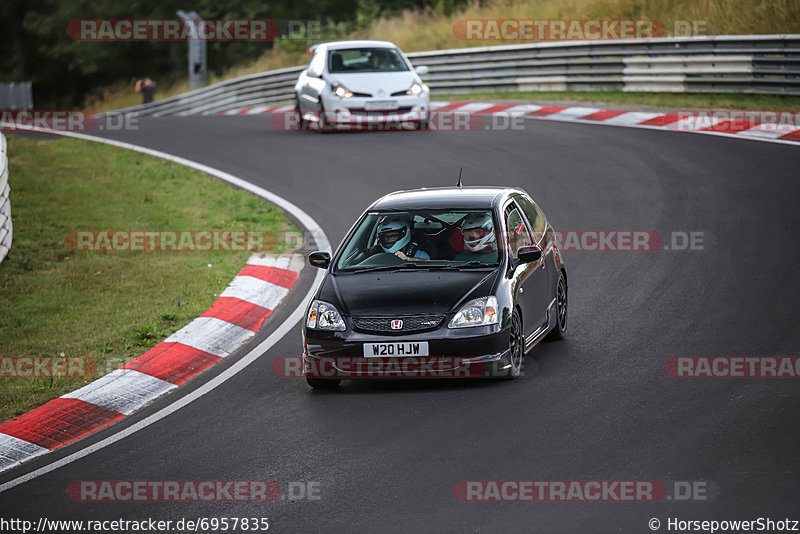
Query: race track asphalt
{"type": "Point", "coordinates": [596, 406]}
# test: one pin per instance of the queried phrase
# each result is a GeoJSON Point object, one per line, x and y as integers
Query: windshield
{"type": "Point", "coordinates": [366, 60]}
{"type": "Point", "coordinates": [431, 239]}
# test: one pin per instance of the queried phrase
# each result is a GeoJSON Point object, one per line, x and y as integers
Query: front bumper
{"type": "Point", "coordinates": [355, 110]}
{"type": "Point", "coordinates": [453, 353]}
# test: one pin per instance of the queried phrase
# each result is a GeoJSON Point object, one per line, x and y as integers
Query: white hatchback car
{"type": "Point", "coordinates": [361, 83]}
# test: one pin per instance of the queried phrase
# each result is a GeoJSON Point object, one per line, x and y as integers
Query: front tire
{"type": "Point", "coordinates": [560, 330]}
{"type": "Point", "coordinates": [512, 364]}
{"type": "Point", "coordinates": [302, 124]}
{"type": "Point", "coordinates": [323, 383]}
{"type": "Point", "coordinates": [324, 125]}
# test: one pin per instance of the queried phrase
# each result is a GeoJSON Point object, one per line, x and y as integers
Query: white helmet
{"type": "Point", "coordinates": [478, 230]}
{"type": "Point", "coordinates": [394, 233]}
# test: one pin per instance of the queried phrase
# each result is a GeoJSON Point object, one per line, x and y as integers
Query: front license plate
{"type": "Point", "coordinates": [411, 348]}
{"type": "Point", "coordinates": [380, 105]}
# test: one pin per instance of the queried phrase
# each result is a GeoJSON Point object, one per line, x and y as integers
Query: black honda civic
{"type": "Point", "coordinates": [442, 282]}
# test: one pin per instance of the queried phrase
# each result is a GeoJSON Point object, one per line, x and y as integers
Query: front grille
{"type": "Point", "coordinates": [411, 323]}
{"type": "Point", "coordinates": [375, 112]}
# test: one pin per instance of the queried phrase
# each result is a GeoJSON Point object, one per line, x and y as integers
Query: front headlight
{"type": "Point", "coordinates": [324, 316]}
{"type": "Point", "coordinates": [414, 89]}
{"type": "Point", "coordinates": [478, 312]}
{"type": "Point", "coordinates": [341, 91]}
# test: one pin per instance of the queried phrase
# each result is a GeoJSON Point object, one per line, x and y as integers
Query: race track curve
{"type": "Point", "coordinates": [597, 405]}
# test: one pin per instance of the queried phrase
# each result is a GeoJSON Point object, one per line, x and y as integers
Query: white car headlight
{"type": "Point", "coordinates": [478, 312]}
{"type": "Point", "coordinates": [324, 316]}
{"type": "Point", "coordinates": [414, 89]}
{"type": "Point", "coordinates": [341, 91]}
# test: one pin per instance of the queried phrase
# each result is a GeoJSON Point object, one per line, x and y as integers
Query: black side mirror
{"type": "Point", "coordinates": [529, 254]}
{"type": "Point", "coordinates": [320, 259]}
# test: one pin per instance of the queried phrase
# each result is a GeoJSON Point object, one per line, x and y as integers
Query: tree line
{"type": "Point", "coordinates": [35, 46]}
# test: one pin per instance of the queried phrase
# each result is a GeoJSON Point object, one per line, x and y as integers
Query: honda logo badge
{"type": "Point", "coordinates": [397, 324]}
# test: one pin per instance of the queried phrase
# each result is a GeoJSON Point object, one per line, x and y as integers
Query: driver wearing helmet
{"type": "Point", "coordinates": [480, 242]}
{"type": "Point", "coordinates": [394, 237]}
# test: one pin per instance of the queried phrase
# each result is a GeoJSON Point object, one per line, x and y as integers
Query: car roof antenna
{"type": "Point", "coordinates": [459, 177]}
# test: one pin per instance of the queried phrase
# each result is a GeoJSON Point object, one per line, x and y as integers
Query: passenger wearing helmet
{"type": "Point", "coordinates": [394, 237]}
{"type": "Point", "coordinates": [480, 241]}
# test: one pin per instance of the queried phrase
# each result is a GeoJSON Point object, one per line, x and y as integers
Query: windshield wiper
{"type": "Point", "coordinates": [474, 264]}
{"type": "Point", "coordinates": [470, 265]}
{"type": "Point", "coordinates": [406, 265]}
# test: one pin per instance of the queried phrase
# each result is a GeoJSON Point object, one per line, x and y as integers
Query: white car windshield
{"type": "Point", "coordinates": [366, 60]}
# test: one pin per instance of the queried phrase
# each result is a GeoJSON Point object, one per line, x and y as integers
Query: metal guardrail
{"type": "Point", "coordinates": [756, 64]}
{"type": "Point", "coordinates": [273, 87]}
{"type": "Point", "coordinates": [5, 202]}
{"type": "Point", "coordinates": [767, 64]}
{"type": "Point", "coordinates": [16, 96]}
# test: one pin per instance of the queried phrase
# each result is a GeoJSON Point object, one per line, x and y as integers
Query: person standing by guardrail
{"type": "Point", "coordinates": [148, 89]}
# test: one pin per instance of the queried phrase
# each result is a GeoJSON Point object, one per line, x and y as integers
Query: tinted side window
{"type": "Point", "coordinates": [518, 234]}
{"type": "Point", "coordinates": [534, 215]}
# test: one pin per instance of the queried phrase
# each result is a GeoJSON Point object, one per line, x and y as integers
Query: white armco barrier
{"type": "Point", "coordinates": [757, 64]}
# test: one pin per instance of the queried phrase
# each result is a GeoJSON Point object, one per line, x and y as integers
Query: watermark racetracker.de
{"type": "Point", "coordinates": [628, 240]}
{"type": "Point", "coordinates": [730, 121]}
{"type": "Point", "coordinates": [193, 491]}
{"type": "Point", "coordinates": [573, 29]}
{"type": "Point", "coordinates": [585, 490]}
{"type": "Point", "coordinates": [150, 524]}
{"type": "Point", "coordinates": [389, 121]}
{"type": "Point", "coordinates": [54, 367]}
{"type": "Point", "coordinates": [733, 366]}
{"type": "Point", "coordinates": [260, 30]}
{"type": "Point", "coordinates": [170, 240]}
{"type": "Point", "coordinates": [173, 240]}
{"type": "Point", "coordinates": [390, 367]}
{"type": "Point", "coordinates": [67, 121]}
{"type": "Point", "coordinates": [47, 366]}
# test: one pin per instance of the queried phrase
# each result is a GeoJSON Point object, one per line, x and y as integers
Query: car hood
{"type": "Point", "coordinates": [374, 82]}
{"type": "Point", "coordinates": [406, 293]}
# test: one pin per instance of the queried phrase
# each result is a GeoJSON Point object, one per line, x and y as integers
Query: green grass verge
{"type": "Point", "coordinates": [108, 306]}
{"type": "Point", "coordinates": [673, 101]}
